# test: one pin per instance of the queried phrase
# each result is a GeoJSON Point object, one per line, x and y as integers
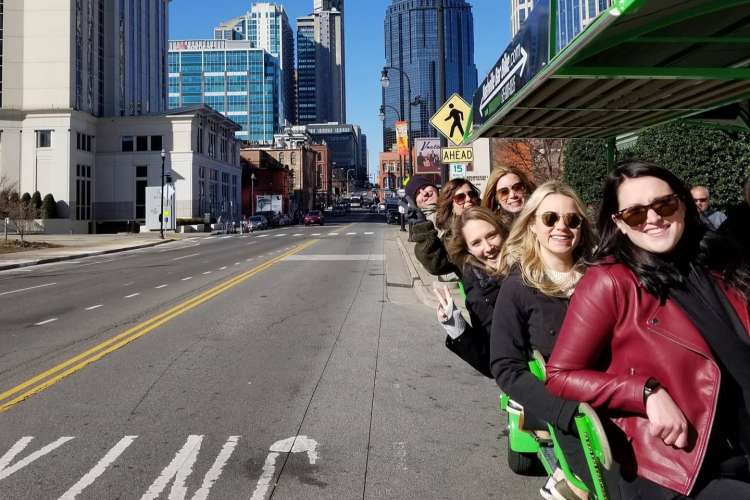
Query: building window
{"type": "Point", "coordinates": [141, 143]}
{"type": "Point", "coordinates": [212, 145]}
{"type": "Point", "coordinates": [156, 143]}
{"type": "Point", "coordinates": [141, 181]}
{"type": "Point", "coordinates": [83, 192]}
{"type": "Point", "coordinates": [44, 138]}
{"type": "Point", "coordinates": [127, 143]}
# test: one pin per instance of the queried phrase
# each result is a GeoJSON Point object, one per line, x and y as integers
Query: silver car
{"type": "Point", "coordinates": [257, 222]}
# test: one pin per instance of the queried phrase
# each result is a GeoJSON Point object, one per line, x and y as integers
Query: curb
{"type": "Point", "coordinates": [50, 260]}
{"type": "Point", "coordinates": [424, 295]}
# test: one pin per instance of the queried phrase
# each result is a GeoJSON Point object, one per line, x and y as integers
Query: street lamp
{"type": "Point", "coordinates": [252, 194]}
{"type": "Point", "coordinates": [161, 214]}
{"type": "Point", "coordinates": [347, 181]}
{"type": "Point", "coordinates": [385, 81]}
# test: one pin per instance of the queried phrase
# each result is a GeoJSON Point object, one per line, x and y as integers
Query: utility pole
{"type": "Point", "coordinates": [441, 81]}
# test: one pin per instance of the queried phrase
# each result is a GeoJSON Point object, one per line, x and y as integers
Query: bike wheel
{"type": "Point", "coordinates": [522, 463]}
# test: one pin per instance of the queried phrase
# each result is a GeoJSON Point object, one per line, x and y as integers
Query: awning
{"type": "Point", "coordinates": [638, 64]}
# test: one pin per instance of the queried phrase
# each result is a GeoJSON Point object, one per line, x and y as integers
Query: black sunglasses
{"type": "Point", "coordinates": [571, 220]}
{"type": "Point", "coordinates": [504, 192]}
{"type": "Point", "coordinates": [460, 198]}
{"type": "Point", "coordinates": [637, 214]}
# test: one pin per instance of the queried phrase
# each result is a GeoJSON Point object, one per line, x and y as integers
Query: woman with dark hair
{"type": "Point", "coordinates": [456, 196]}
{"type": "Point", "coordinates": [657, 338]}
{"type": "Point", "coordinates": [506, 192]}
{"type": "Point", "coordinates": [478, 238]}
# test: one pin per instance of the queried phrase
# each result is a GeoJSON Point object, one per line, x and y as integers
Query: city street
{"type": "Point", "coordinates": [278, 364]}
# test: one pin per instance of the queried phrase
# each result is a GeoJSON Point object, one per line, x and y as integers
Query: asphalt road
{"type": "Point", "coordinates": [275, 365]}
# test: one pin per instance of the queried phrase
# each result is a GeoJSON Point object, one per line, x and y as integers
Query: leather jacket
{"type": "Point", "coordinates": [615, 337]}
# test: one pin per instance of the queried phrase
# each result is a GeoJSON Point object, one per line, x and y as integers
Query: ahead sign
{"type": "Point", "coordinates": [456, 155]}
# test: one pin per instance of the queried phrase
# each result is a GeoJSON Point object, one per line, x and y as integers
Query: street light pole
{"type": "Point", "coordinates": [252, 194]}
{"type": "Point", "coordinates": [347, 181]}
{"type": "Point", "coordinates": [161, 213]}
{"type": "Point", "coordinates": [385, 82]}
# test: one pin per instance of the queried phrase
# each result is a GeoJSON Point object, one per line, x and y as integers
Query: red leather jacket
{"type": "Point", "coordinates": [614, 338]}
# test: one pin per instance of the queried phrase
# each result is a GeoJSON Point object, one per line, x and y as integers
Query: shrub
{"type": "Point", "coordinates": [26, 198]}
{"type": "Point", "coordinates": [36, 200]}
{"type": "Point", "coordinates": [49, 207]}
{"type": "Point", "coordinates": [585, 167]}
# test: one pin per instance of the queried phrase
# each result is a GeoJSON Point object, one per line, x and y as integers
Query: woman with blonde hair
{"type": "Point", "coordinates": [506, 192]}
{"type": "Point", "coordinates": [476, 243]}
{"type": "Point", "coordinates": [543, 259]}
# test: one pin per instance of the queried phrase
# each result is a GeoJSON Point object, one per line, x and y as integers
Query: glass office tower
{"type": "Point", "coordinates": [236, 80]}
{"type": "Point", "coordinates": [411, 44]}
{"type": "Point", "coordinates": [572, 16]}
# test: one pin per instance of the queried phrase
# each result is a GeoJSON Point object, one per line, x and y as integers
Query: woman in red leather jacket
{"type": "Point", "coordinates": [657, 338]}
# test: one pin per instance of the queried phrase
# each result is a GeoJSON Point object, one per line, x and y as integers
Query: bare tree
{"type": "Point", "coordinates": [20, 214]}
{"type": "Point", "coordinates": [541, 157]}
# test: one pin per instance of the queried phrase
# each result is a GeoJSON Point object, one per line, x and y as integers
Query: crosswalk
{"type": "Point", "coordinates": [282, 235]}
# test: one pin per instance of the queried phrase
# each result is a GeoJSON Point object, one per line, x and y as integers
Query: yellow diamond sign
{"type": "Point", "coordinates": [452, 119]}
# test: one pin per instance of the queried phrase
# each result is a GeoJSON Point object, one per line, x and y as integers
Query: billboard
{"type": "Point", "coordinates": [427, 155]}
{"type": "Point", "coordinates": [402, 137]}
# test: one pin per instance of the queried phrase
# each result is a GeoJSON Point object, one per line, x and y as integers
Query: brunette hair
{"type": "Point", "coordinates": [522, 246]}
{"type": "Point", "coordinates": [489, 199]}
{"type": "Point", "coordinates": [444, 212]}
{"type": "Point", "coordinates": [698, 245]}
{"type": "Point", "coordinates": [458, 250]}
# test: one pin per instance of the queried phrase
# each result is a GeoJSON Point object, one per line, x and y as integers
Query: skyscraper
{"type": "Point", "coordinates": [266, 26]}
{"type": "Point", "coordinates": [572, 16]}
{"type": "Point", "coordinates": [411, 45]}
{"type": "Point", "coordinates": [321, 81]}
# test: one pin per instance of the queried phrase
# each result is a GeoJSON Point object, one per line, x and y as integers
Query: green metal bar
{"type": "Point", "coordinates": [645, 72]}
{"type": "Point", "coordinates": [552, 28]}
{"type": "Point", "coordinates": [708, 8]}
{"type": "Point", "coordinates": [729, 40]}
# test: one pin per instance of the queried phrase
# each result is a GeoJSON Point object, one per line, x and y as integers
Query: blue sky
{"type": "Point", "coordinates": [191, 19]}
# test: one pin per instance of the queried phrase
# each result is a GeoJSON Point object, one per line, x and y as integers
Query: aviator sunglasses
{"type": "Point", "coordinates": [637, 214]}
{"type": "Point", "coordinates": [460, 198]}
{"type": "Point", "coordinates": [504, 192]}
{"type": "Point", "coordinates": [571, 220]}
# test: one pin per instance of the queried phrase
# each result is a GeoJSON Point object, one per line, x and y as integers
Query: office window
{"type": "Point", "coordinates": [83, 192]}
{"type": "Point", "coordinates": [127, 143]}
{"type": "Point", "coordinates": [78, 141]}
{"type": "Point", "coordinates": [44, 138]}
{"type": "Point", "coordinates": [156, 143]}
{"type": "Point", "coordinates": [141, 143]}
{"type": "Point", "coordinates": [141, 181]}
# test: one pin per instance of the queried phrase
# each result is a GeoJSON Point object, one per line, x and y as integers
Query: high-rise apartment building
{"type": "Point", "coordinates": [572, 16]}
{"type": "Point", "coordinates": [232, 77]}
{"type": "Point", "coordinates": [411, 45]}
{"type": "Point", "coordinates": [266, 26]}
{"type": "Point", "coordinates": [321, 80]}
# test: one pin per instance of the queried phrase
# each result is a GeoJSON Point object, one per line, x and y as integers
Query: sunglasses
{"type": "Point", "coordinates": [504, 192]}
{"type": "Point", "coordinates": [460, 198]}
{"type": "Point", "coordinates": [571, 220]}
{"type": "Point", "coordinates": [637, 214]}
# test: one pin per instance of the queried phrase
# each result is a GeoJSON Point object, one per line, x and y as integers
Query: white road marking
{"type": "Point", "coordinates": [186, 256]}
{"type": "Point", "coordinates": [207, 272]}
{"type": "Point", "coordinates": [222, 268]}
{"type": "Point", "coordinates": [236, 263]}
{"type": "Point", "coordinates": [136, 294]}
{"type": "Point", "coordinates": [280, 235]}
{"type": "Point", "coordinates": [262, 235]}
{"type": "Point", "coordinates": [46, 321]}
{"type": "Point", "coordinates": [186, 278]}
{"type": "Point", "coordinates": [17, 448]}
{"type": "Point", "coordinates": [252, 243]}
{"type": "Point", "coordinates": [129, 283]}
{"type": "Point", "coordinates": [225, 237]}
{"type": "Point", "coordinates": [160, 286]}
{"type": "Point", "coordinates": [29, 288]}
{"type": "Point", "coordinates": [248, 260]}
{"type": "Point", "coordinates": [94, 307]}
{"type": "Point", "coordinates": [216, 469]}
{"type": "Point", "coordinates": [369, 233]}
{"type": "Point", "coordinates": [97, 262]}
{"type": "Point", "coordinates": [350, 234]}
{"type": "Point", "coordinates": [298, 234]}
{"type": "Point", "coordinates": [333, 234]}
{"type": "Point", "coordinates": [179, 468]}
{"type": "Point", "coordinates": [101, 466]}
{"type": "Point", "coordinates": [338, 257]}
{"type": "Point", "coordinates": [294, 444]}
{"type": "Point", "coordinates": [315, 234]}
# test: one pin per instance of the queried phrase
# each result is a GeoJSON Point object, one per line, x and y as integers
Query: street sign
{"type": "Point", "coordinates": [526, 55]}
{"type": "Point", "coordinates": [457, 171]}
{"type": "Point", "coordinates": [452, 119]}
{"type": "Point", "coordinates": [456, 155]}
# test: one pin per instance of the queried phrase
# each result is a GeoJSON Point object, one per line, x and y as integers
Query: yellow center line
{"type": "Point", "coordinates": [78, 362]}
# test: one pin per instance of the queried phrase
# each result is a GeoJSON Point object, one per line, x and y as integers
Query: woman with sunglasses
{"type": "Point", "coordinates": [478, 238]}
{"type": "Point", "coordinates": [456, 196]}
{"type": "Point", "coordinates": [657, 338]}
{"type": "Point", "coordinates": [506, 192]}
{"type": "Point", "coordinates": [543, 258]}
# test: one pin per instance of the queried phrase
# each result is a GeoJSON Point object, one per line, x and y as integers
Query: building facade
{"type": "Point", "coordinates": [266, 26]}
{"type": "Point", "coordinates": [233, 78]}
{"type": "Point", "coordinates": [572, 16]}
{"type": "Point", "coordinates": [263, 177]}
{"type": "Point", "coordinates": [321, 76]}
{"type": "Point", "coordinates": [411, 45]}
{"type": "Point", "coordinates": [343, 141]}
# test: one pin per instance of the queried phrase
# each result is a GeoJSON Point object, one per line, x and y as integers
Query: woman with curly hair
{"type": "Point", "coordinates": [506, 192]}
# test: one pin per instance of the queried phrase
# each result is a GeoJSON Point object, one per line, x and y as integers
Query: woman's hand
{"type": "Point", "coordinates": [666, 420]}
{"type": "Point", "coordinates": [445, 306]}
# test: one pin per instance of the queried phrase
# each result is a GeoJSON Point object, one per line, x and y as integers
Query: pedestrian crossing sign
{"type": "Point", "coordinates": [452, 119]}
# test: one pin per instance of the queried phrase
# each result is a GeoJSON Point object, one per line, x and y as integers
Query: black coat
{"type": "Point", "coordinates": [473, 346]}
{"type": "Point", "coordinates": [737, 226]}
{"type": "Point", "coordinates": [525, 320]}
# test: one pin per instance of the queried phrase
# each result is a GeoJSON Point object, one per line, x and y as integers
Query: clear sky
{"type": "Point", "coordinates": [363, 22]}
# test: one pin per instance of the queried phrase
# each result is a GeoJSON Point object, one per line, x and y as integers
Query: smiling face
{"type": "Point", "coordinates": [657, 234]}
{"type": "Point", "coordinates": [468, 201]}
{"type": "Point", "coordinates": [510, 193]}
{"type": "Point", "coordinates": [428, 195]}
{"type": "Point", "coordinates": [483, 241]}
{"type": "Point", "coordinates": [559, 241]}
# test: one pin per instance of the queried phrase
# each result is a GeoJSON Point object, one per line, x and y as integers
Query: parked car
{"type": "Point", "coordinates": [285, 220]}
{"type": "Point", "coordinates": [314, 217]}
{"type": "Point", "coordinates": [256, 223]}
{"type": "Point", "coordinates": [272, 218]}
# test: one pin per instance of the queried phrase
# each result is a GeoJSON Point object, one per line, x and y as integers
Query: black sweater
{"type": "Point", "coordinates": [525, 320]}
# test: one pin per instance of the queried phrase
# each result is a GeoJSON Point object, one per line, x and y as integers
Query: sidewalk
{"type": "Point", "coordinates": [74, 246]}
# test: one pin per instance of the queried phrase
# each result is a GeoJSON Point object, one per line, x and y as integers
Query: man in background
{"type": "Point", "coordinates": [701, 197]}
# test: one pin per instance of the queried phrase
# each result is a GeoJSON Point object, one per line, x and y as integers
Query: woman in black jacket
{"type": "Point", "coordinates": [478, 238]}
{"type": "Point", "coordinates": [543, 259]}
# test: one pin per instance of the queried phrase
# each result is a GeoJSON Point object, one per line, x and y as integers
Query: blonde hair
{"type": "Point", "coordinates": [489, 199]}
{"type": "Point", "coordinates": [457, 247]}
{"type": "Point", "coordinates": [522, 246]}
